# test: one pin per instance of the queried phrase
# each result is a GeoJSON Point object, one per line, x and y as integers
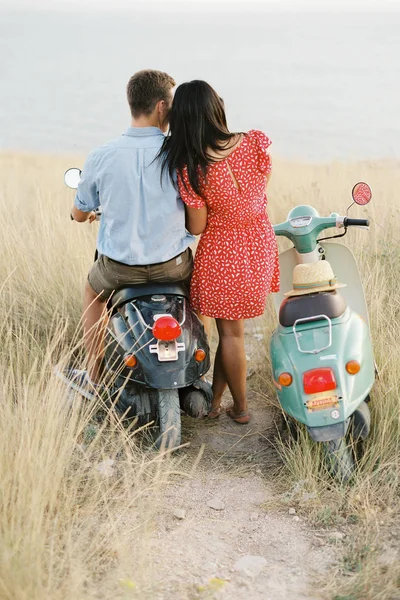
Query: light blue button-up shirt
{"type": "Point", "coordinates": [143, 220]}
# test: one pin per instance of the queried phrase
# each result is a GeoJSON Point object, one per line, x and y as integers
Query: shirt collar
{"type": "Point", "coordinates": [142, 131]}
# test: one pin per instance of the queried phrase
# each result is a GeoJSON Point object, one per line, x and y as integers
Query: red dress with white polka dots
{"type": "Point", "coordinates": [236, 262]}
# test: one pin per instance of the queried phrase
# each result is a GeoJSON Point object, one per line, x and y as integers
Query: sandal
{"type": "Point", "coordinates": [241, 417]}
{"type": "Point", "coordinates": [215, 413]}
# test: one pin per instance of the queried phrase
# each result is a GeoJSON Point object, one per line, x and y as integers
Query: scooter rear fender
{"type": "Point", "coordinates": [130, 332]}
{"type": "Point", "coordinates": [350, 341]}
{"type": "Point", "coordinates": [327, 433]}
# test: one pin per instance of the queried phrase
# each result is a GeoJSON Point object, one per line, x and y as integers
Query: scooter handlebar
{"type": "Point", "coordinates": [355, 222]}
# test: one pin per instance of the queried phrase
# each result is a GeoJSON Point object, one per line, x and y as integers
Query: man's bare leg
{"type": "Point", "coordinates": [94, 323]}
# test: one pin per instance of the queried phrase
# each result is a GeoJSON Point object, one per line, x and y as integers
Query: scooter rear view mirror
{"type": "Point", "coordinates": [72, 177]}
{"type": "Point", "coordinates": [361, 194]}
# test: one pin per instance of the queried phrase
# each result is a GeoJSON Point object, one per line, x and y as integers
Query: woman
{"type": "Point", "coordinates": [222, 177]}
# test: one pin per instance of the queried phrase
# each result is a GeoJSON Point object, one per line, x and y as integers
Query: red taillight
{"type": "Point", "coordinates": [166, 328]}
{"type": "Point", "coordinates": [319, 380]}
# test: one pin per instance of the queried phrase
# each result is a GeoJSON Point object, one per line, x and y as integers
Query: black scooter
{"type": "Point", "coordinates": [156, 352]}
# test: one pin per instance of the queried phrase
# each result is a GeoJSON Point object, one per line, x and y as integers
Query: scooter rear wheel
{"type": "Point", "coordinates": [169, 418]}
{"type": "Point", "coordinates": [339, 457]}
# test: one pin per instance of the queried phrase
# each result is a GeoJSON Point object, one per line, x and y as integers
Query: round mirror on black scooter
{"type": "Point", "coordinates": [361, 193]}
{"type": "Point", "coordinates": [72, 177]}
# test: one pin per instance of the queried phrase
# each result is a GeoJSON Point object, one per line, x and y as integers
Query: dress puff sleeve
{"type": "Point", "coordinates": [186, 192]}
{"type": "Point", "coordinates": [263, 143]}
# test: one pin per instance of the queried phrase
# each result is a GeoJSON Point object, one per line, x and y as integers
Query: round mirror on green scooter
{"type": "Point", "coordinates": [361, 193]}
{"type": "Point", "coordinates": [72, 178]}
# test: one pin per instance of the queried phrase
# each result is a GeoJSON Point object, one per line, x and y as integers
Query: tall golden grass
{"type": "Point", "coordinates": [76, 494]}
{"type": "Point", "coordinates": [71, 531]}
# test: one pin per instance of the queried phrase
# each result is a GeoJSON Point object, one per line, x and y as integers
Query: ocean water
{"type": "Point", "coordinates": [322, 85]}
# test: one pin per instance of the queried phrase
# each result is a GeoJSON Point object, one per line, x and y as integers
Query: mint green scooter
{"type": "Point", "coordinates": [322, 357]}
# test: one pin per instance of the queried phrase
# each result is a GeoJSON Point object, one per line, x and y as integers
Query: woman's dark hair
{"type": "Point", "coordinates": [197, 124]}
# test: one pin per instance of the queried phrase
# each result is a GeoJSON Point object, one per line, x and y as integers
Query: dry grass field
{"type": "Point", "coordinates": [68, 530]}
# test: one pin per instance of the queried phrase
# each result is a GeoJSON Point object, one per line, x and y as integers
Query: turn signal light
{"type": "Point", "coordinates": [353, 367]}
{"type": "Point", "coordinates": [130, 361]}
{"type": "Point", "coordinates": [285, 379]}
{"type": "Point", "coordinates": [319, 380]}
{"type": "Point", "coordinates": [166, 328]}
{"type": "Point", "coordinates": [200, 355]}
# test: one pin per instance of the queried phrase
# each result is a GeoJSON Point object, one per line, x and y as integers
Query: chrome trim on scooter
{"type": "Point", "coordinates": [298, 335]}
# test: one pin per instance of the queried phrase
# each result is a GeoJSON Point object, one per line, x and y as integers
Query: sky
{"type": "Point", "coordinates": [111, 5]}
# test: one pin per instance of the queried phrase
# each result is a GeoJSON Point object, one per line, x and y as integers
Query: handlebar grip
{"type": "Point", "coordinates": [356, 222]}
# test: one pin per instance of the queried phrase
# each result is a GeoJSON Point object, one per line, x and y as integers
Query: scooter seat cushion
{"type": "Point", "coordinates": [330, 304]}
{"type": "Point", "coordinates": [149, 289]}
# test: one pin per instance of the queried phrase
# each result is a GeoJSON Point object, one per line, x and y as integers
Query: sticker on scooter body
{"type": "Point", "coordinates": [328, 357]}
{"type": "Point", "coordinates": [167, 351]}
{"type": "Point", "coordinates": [322, 403]}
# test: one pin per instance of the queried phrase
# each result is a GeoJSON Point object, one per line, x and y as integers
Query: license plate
{"type": "Point", "coordinates": [167, 351]}
{"type": "Point", "coordinates": [322, 403]}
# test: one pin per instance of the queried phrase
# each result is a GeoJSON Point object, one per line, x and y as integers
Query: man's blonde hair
{"type": "Point", "coordinates": [146, 88]}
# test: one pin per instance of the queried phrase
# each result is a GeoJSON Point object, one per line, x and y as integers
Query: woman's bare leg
{"type": "Point", "coordinates": [230, 364]}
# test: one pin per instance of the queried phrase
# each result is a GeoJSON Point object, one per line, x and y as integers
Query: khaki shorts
{"type": "Point", "coordinates": [108, 275]}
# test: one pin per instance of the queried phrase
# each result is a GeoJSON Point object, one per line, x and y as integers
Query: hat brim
{"type": "Point", "coordinates": [308, 291]}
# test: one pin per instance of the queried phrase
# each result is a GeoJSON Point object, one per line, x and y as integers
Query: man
{"type": "Point", "coordinates": [142, 234]}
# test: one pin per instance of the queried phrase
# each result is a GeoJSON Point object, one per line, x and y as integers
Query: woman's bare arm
{"type": "Point", "coordinates": [196, 219]}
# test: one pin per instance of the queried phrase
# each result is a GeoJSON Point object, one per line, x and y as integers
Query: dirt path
{"type": "Point", "coordinates": [215, 536]}
{"type": "Point", "coordinates": [200, 550]}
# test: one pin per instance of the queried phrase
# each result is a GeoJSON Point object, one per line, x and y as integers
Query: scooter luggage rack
{"type": "Point", "coordinates": [297, 335]}
{"type": "Point", "coordinates": [146, 325]}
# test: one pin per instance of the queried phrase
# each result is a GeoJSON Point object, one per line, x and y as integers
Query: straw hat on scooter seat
{"type": "Point", "coordinates": [311, 278]}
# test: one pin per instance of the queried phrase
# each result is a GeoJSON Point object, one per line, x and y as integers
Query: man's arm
{"type": "Point", "coordinates": [87, 196]}
{"type": "Point", "coordinates": [80, 216]}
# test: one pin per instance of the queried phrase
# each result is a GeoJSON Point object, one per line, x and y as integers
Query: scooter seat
{"type": "Point", "coordinates": [149, 289]}
{"type": "Point", "coordinates": [330, 304]}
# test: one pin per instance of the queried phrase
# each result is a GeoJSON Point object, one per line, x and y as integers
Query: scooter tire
{"type": "Point", "coordinates": [361, 422]}
{"type": "Point", "coordinates": [169, 420]}
{"type": "Point", "coordinates": [339, 458]}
